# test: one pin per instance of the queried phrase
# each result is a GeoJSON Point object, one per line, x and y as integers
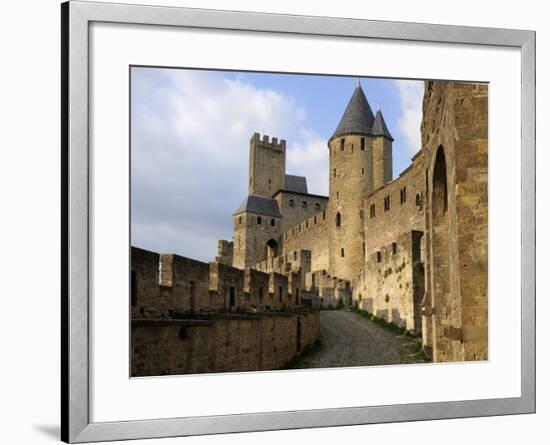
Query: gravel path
{"type": "Point", "coordinates": [351, 340]}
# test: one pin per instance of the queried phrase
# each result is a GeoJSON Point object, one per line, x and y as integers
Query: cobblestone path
{"type": "Point", "coordinates": [351, 340]}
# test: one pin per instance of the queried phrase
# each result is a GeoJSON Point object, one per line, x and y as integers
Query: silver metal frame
{"type": "Point", "coordinates": [76, 18]}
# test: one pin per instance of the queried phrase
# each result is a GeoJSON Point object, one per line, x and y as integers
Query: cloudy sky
{"type": "Point", "coordinates": [190, 133]}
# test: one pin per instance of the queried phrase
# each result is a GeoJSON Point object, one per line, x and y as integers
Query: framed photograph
{"type": "Point", "coordinates": [257, 206]}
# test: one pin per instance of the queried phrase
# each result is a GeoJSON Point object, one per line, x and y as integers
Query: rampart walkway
{"type": "Point", "coordinates": [351, 340]}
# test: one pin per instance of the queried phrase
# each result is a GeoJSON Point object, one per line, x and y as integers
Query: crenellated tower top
{"type": "Point", "coordinates": [267, 165]}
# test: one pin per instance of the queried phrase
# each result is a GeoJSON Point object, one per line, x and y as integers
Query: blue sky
{"type": "Point", "coordinates": [190, 141]}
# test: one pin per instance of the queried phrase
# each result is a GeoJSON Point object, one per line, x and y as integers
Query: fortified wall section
{"type": "Point", "coordinates": [192, 317]}
{"type": "Point", "coordinates": [455, 140]}
{"type": "Point", "coordinates": [318, 286]}
{"type": "Point", "coordinates": [167, 285]}
{"type": "Point", "coordinates": [221, 342]}
{"type": "Point", "coordinates": [297, 207]}
{"type": "Point", "coordinates": [395, 208]}
{"type": "Point", "coordinates": [225, 252]}
{"type": "Point", "coordinates": [392, 284]}
{"type": "Point", "coordinates": [312, 235]}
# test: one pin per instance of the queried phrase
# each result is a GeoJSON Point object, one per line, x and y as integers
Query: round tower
{"type": "Point", "coordinates": [352, 165]}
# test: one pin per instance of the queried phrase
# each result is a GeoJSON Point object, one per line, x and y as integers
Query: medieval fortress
{"type": "Point", "coordinates": [411, 249]}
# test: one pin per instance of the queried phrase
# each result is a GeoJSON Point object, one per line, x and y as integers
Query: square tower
{"type": "Point", "coordinates": [267, 165]}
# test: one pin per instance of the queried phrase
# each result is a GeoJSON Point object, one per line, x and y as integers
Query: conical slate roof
{"type": "Point", "coordinates": [379, 128]}
{"type": "Point", "coordinates": [358, 117]}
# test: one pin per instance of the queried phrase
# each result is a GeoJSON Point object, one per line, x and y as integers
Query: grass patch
{"type": "Point", "coordinates": [413, 349]}
{"type": "Point", "coordinates": [388, 325]}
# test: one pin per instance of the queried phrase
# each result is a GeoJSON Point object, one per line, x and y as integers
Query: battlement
{"type": "Point", "coordinates": [225, 252]}
{"type": "Point", "coordinates": [266, 142]}
{"type": "Point", "coordinates": [315, 284]}
{"type": "Point", "coordinates": [294, 261]}
{"type": "Point", "coordinates": [315, 223]}
{"type": "Point", "coordinates": [163, 285]}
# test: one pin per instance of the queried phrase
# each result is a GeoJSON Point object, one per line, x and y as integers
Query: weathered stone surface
{"type": "Point", "coordinates": [455, 144]}
{"type": "Point", "coordinates": [221, 343]}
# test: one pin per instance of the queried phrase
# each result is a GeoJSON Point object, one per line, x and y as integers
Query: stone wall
{"type": "Point", "coordinates": [392, 284]}
{"type": "Point", "coordinates": [221, 342]}
{"type": "Point", "coordinates": [225, 252]}
{"type": "Point", "coordinates": [144, 286]}
{"type": "Point", "coordinates": [310, 235]}
{"type": "Point", "coordinates": [317, 287]}
{"type": "Point", "coordinates": [168, 285]}
{"type": "Point", "coordinates": [185, 281]}
{"type": "Point", "coordinates": [384, 224]}
{"type": "Point", "coordinates": [191, 317]}
{"type": "Point", "coordinates": [298, 207]}
{"type": "Point", "coordinates": [455, 143]}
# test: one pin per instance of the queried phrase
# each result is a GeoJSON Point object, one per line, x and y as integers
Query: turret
{"type": "Point", "coordinates": [382, 141]}
{"type": "Point", "coordinates": [351, 179]}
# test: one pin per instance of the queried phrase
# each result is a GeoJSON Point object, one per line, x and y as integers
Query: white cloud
{"type": "Point", "coordinates": [410, 94]}
{"type": "Point", "coordinates": [310, 158]}
{"type": "Point", "coordinates": [190, 144]}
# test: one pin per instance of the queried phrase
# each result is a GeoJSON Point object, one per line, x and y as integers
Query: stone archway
{"type": "Point", "coordinates": [440, 264]}
{"type": "Point", "coordinates": [271, 249]}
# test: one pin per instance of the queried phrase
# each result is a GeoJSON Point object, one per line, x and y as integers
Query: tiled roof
{"type": "Point", "coordinates": [259, 204]}
{"type": "Point", "coordinates": [379, 128]}
{"type": "Point", "coordinates": [296, 184]}
{"type": "Point", "coordinates": [358, 117]}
